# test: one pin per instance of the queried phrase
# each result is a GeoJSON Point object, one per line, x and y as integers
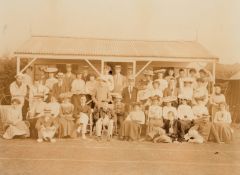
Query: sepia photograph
{"type": "Point", "coordinates": [119, 87]}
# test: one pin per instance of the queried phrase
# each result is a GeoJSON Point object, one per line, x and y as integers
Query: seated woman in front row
{"type": "Point", "coordinates": [66, 120]}
{"type": "Point", "coordinates": [132, 124]}
{"type": "Point", "coordinates": [46, 126]}
{"type": "Point", "coordinates": [14, 123]}
{"type": "Point", "coordinates": [222, 122]}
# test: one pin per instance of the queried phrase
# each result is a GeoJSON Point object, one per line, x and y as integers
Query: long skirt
{"type": "Point", "coordinates": [154, 123]}
{"type": "Point", "coordinates": [67, 128]}
{"type": "Point", "coordinates": [76, 100]}
{"type": "Point", "coordinates": [20, 129]}
{"type": "Point", "coordinates": [131, 129]}
{"type": "Point", "coordinates": [224, 132]}
{"type": "Point", "coordinates": [33, 130]}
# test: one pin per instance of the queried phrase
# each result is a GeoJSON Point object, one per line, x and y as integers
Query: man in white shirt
{"type": "Point", "coordinates": [18, 89]}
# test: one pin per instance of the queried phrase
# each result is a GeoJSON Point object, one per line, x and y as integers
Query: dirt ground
{"type": "Point", "coordinates": [27, 157]}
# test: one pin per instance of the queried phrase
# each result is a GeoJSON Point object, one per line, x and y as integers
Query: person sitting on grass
{"type": "Point", "coordinates": [132, 124]}
{"type": "Point", "coordinates": [14, 125]}
{"type": "Point", "coordinates": [82, 114]}
{"type": "Point", "coordinates": [46, 127]}
{"type": "Point", "coordinates": [104, 118]}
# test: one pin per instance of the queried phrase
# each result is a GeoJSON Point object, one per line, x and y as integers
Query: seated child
{"type": "Point", "coordinates": [46, 127]}
{"type": "Point", "coordinates": [82, 113]}
{"type": "Point", "coordinates": [119, 109]}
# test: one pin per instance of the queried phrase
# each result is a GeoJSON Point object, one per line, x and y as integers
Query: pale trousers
{"type": "Point", "coordinates": [103, 122]}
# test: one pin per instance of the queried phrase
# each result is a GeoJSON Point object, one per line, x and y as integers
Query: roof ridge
{"type": "Point", "coordinates": [113, 39]}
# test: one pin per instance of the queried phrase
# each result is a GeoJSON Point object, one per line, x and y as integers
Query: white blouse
{"type": "Point", "coordinates": [155, 111]}
{"type": "Point", "coordinates": [223, 117]}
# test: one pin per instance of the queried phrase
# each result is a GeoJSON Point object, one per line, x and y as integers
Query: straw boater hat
{"type": "Point", "coordinates": [148, 72]}
{"type": "Point", "coordinates": [155, 97]}
{"type": "Point", "coordinates": [169, 99]}
{"type": "Point", "coordinates": [51, 70]}
{"type": "Point", "coordinates": [65, 95]}
{"type": "Point", "coordinates": [160, 71]}
{"type": "Point", "coordinates": [118, 66]}
{"type": "Point", "coordinates": [131, 78]}
{"type": "Point", "coordinates": [15, 100]}
{"type": "Point", "coordinates": [156, 81]}
{"type": "Point", "coordinates": [19, 75]}
{"type": "Point", "coordinates": [60, 75]}
{"type": "Point", "coordinates": [117, 96]}
{"type": "Point", "coordinates": [188, 80]}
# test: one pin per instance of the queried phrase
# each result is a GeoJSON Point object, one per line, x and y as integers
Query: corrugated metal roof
{"type": "Point", "coordinates": [110, 47]}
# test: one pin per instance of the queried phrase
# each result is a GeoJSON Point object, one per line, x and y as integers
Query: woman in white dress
{"type": "Point", "coordinates": [216, 98]}
{"type": "Point", "coordinates": [14, 123]}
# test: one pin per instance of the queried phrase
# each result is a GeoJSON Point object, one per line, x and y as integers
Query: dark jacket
{"type": "Point", "coordinates": [126, 95]}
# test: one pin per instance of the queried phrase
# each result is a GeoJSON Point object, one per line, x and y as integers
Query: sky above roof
{"type": "Point", "coordinates": [214, 24]}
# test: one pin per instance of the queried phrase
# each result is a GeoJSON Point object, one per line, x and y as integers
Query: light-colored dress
{"type": "Point", "coordinates": [222, 121]}
{"type": "Point", "coordinates": [155, 117]}
{"type": "Point", "coordinates": [16, 127]}
{"type": "Point", "coordinates": [66, 120]}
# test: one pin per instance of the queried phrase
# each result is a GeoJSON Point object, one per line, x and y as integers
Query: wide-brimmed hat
{"type": "Point", "coordinates": [51, 70]}
{"type": "Point", "coordinates": [148, 72]}
{"type": "Point", "coordinates": [60, 75]}
{"type": "Point", "coordinates": [160, 71]}
{"type": "Point", "coordinates": [117, 96]}
{"type": "Point", "coordinates": [199, 98]}
{"type": "Point", "coordinates": [65, 95]}
{"type": "Point", "coordinates": [68, 65]}
{"type": "Point", "coordinates": [47, 109]}
{"type": "Point", "coordinates": [118, 66]}
{"type": "Point", "coordinates": [39, 96]}
{"type": "Point", "coordinates": [182, 97]}
{"type": "Point", "coordinates": [155, 97]}
{"type": "Point", "coordinates": [102, 78]}
{"type": "Point", "coordinates": [169, 99]}
{"type": "Point", "coordinates": [15, 99]}
{"type": "Point", "coordinates": [137, 104]}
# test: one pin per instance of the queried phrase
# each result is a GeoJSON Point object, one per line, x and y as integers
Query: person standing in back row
{"type": "Point", "coordinates": [119, 80]}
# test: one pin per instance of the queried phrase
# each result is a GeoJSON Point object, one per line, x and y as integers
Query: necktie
{"type": "Point", "coordinates": [130, 91]}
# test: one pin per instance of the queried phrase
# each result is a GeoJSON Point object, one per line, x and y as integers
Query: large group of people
{"type": "Point", "coordinates": [169, 105]}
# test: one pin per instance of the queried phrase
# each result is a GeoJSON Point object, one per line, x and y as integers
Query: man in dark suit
{"type": "Point", "coordinates": [129, 93]}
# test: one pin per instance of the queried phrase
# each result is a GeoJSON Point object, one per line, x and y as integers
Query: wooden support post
{"type": "Point", "coordinates": [92, 66]}
{"type": "Point", "coordinates": [29, 64]}
{"type": "Point", "coordinates": [144, 67]}
{"type": "Point", "coordinates": [18, 64]}
{"type": "Point", "coordinates": [214, 72]}
{"type": "Point", "coordinates": [134, 68]}
{"type": "Point", "coordinates": [102, 66]}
